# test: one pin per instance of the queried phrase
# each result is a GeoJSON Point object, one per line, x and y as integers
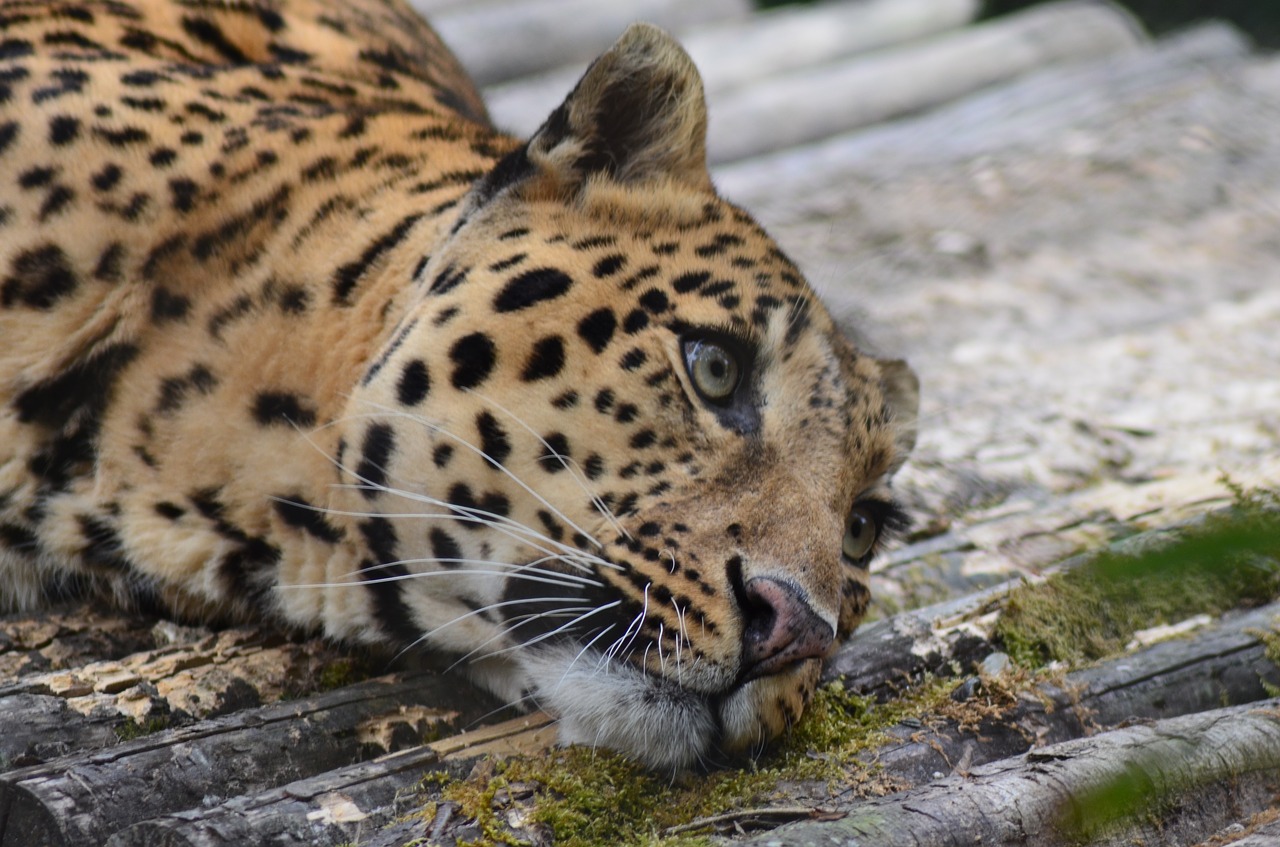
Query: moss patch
{"type": "Point", "coordinates": [589, 798]}
{"type": "Point", "coordinates": [1093, 610]}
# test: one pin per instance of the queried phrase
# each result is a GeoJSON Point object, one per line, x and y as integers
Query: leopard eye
{"type": "Point", "coordinates": [713, 368]}
{"type": "Point", "coordinates": [860, 534]}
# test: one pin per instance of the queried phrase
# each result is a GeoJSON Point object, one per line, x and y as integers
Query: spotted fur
{"type": "Point", "coordinates": [288, 330]}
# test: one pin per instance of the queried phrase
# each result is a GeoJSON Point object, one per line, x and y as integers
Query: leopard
{"type": "Point", "coordinates": [291, 332]}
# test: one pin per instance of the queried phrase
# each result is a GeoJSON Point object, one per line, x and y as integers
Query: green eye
{"type": "Point", "coordinates": [859, 534]}
{"type": "Point", "coordinates": [714, 370]}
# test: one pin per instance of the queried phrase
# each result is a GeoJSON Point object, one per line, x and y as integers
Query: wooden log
{"type": "Point", "coordinates": [1265, 834]}
{"type": "Point", "coordinates": [1226, 664]}
{"type": "Point", "coordinates": [822, 102]}
{"type": "Point", "coordinates": [501, 41]}
{"type": "Point", "coordinates": [1176, 780]}
{"type": "Point", "coordinates": [1032, 111]}
{"type": "Point", "coordinates": [339, 807]}
{"type": "Point", "coordinates": [56, 713]}
{"type": "Point", "coordinates": [731, 55]}
{"type": "Point", "coordinates": [83, 799]}
{"type": "Point", "coordinates": [40, 727]}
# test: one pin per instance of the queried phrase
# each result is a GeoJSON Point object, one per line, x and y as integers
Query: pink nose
{"type": "Point", "coordinates": [781, 629]}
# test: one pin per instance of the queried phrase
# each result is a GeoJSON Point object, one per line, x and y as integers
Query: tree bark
{"type": "Point", "coordinates": [1169, 782]}
{"type": "Point", "coordinates": [1224, 665]}
{"type": "Point", "coordinates": [84, 799]}
{"type": "Point", "coordinates": [342, 806]}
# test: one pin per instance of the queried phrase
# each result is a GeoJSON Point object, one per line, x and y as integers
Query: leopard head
{"type": "Point", "coordinates": [618, 456]}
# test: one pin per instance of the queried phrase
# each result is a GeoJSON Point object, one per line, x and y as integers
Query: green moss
{"type": "Point", "coordinates": [133, 728]}
{"type": "Point", "coordinates": [1093, 610]}
{"type": "Point", "coordinates": [592, 798]}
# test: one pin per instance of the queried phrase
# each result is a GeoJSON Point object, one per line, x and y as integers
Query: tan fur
{"type": "Point", "coordinates": [270, 284]}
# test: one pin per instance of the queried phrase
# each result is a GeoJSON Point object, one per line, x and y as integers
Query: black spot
{"type": "Point", "coordinates": [655, 301]}
{"type": "Point", "coordinates": [685, 283]}
{"type": "Point", "coordinates": [184, 193]}
{"type": "Point", "coordinates": [163, 157]}
{"type": "Point", "coordinates": [108, 268]}
{"type": "Point", "coordinates": [635, 321]}
{"type": "Point", "coordinates": [122, 137]}
{"type": "Point", "coordinates": [446, 551]}
{"type": "Point", "coordinates": [415, 382]}
{"type": "Point", "coordinates": [167, 306]}
{"type": "Point", "coordinates": [168, 510]}
{"type": "Point", "coordinates": [492, 504]}
{"type": "Point", "coordinates": [604, 400]}
{"type": "Point", "coordinates": [508, 263]}
{"type": "Point", "coordinates": [609, 265]}
{"type": "Point", "coordinates": [298, 513]}
{"type": "Point", "coordinates": [633, 359]}
{"type": "Point", "coordinates": [557, 455]}
{"type": "Point", "coordinates": [58, 198]}
{"type": "Point", "coordinates": [643, 439]}
{"type": "Point", "coordinates": [550, 525]}
{"type": "Point", "coordinates": [207, 32]}
{"type": "Point", "coordinates": [627, 412]}
{"type": "Point", "coordinates": [175, 390]}
{"type": "Point", "coordinates": [380, 536]}
{"type": "Point", "coordinates": [593, 467]}
{"type": "Point", "coordinates": [280, 408]}
{"type": "Point", "coordinates": [474, 357]}
{"type": "Point", "coordinates": [39, 278]}
{"type": "Point", "coordinates": [546, 360]}
{"type": "Point", "coordinates": [36, 177]}
{"type": "Point", "coordinates": [293, 299]}
{"type": "Point", "coordinates": [8, 132]}
{"type": "Point", "coordinates": [375, 453]}
{"type": "Point", "coordinates": [447, 280]}
{"type": "Point", "coordinates": [103, 547]}
{"type": "Point", "coordinates": [564, 401]}
{"type": "Point", "coordinates": [530, 288]}
{"type": "Point", "coordinates": [494, 442]}
{"type": "Point", "coordinates": [106, 179]}
{"type": "Point", "coordinates": [63, 129]}
{"type": "Point", "coordinates": [15, 48]}
{"type": "Point", "coordinates": [348, 276]}
{"type": "Point", "coordinates": [441, 455]}
{"type": "Point", "coordinates": [228, 314]}
{"type": "Point", "coordinates": [597, 329]}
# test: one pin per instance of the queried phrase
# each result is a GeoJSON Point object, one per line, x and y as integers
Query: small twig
{"type": "Point", "coordinates": [786, 813]}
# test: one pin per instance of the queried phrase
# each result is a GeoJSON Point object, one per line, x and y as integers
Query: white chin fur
{"type": "Point", "coordinates": [605, 704]}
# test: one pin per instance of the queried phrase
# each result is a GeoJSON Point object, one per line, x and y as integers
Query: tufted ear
{"type": "Point", "coordinates": [637, 115]}
{"type": "Point", "coordinates": [901, 389]}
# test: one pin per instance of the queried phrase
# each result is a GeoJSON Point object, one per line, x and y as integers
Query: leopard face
{"type": "Point", "coordinates": [553, 408]}
{"type": "Point", "coordinates": [614, 392]}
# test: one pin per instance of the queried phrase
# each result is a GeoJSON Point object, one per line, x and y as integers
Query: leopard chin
{"type": "Point", "coordinates": [654, 719]}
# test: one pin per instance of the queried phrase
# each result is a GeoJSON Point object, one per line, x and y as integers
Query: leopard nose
{"type": "Point", "coordinates": [781, 628]}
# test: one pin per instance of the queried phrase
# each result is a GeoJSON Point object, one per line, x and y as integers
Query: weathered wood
{"type": "Point", "coordinates": [1035, 111]}
{"type": "Point", "coordinates": [83, 799]}
{"type": "Point", "coordinates": [813, 104]}
{"type": "Point", "coordinates": [57, 712]}
{"type": "Point", "coordinates": [501, 41]}
{"type": "Point", "coordinates": [1201, 771]}
{"type": "Point", "coordinates": [338, 807]}
{"type": "Point", "coordinates": [732, 55]}
{"type": "Point", "coordinates": [1225, 664]}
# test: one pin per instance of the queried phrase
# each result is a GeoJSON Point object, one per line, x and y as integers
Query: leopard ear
{"type": "Point", "coordinates": [637, 115]}
{"type": "Point", "coordinates": [901, 389]}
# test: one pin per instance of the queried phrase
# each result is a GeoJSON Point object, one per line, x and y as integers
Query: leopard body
{"type": "Point", "coordinates": [289, 330]}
